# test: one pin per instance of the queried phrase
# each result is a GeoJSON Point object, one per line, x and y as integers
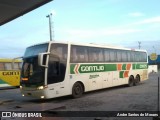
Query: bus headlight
{"type": "Point", "coordinates": [40, 88]}
{"type": "Point", "coordinates": [20, 87]}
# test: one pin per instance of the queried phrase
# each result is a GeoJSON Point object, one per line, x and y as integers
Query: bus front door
{"type": "Point", "coordinates": [56, 75]}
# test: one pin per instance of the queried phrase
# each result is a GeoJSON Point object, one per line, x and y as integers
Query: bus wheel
{"type": "Point", "coordinates": [137, 80]}
{"type": "Point", "coordinates": [131, 81]}
{"type": "Point", "coordinates": [77, 90]}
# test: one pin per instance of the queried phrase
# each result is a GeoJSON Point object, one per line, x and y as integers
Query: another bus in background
{"type": "Point", "coordinates": [10, 72]}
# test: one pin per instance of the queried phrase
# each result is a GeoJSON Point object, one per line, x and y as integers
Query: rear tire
{"type": "Point", "coordinates": [77, 90]}
{"type": "Point", "coordinates": [131, 81]}
{"type": "Point", "coordinates": [137, 80]}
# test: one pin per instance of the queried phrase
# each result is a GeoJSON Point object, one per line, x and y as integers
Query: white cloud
{"type": "Point", "coordinates": [148, 21]}
{"type": "Point", "coordinates": [101, 32]}
{"type": "Point", "coordinates": [136, 14]}
{"type": "Point", "coordinates": [119, 31]}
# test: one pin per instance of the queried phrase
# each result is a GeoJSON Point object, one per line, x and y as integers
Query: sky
{"type": "Point", "coordinates": [112, 22]}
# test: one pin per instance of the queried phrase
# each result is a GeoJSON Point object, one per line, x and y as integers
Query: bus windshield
{"type": "Point", "coordinates": [35, 50]}
{"type": "Point", "coordinates": [32, 73]}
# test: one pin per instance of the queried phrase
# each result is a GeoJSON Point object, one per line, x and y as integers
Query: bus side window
{"type": "Point", "coordinates": [137, 56]}
{"type": "Point", "coordinates": [143, 57]}
{"type": "Point", "coordinates": [92, 56]}
{"type": "Point", "coordinates": [119, 55]}
{"type": "Point", "coordinates": [106, 55]}
{"type": "Point", "coordinates": [8, 66]}
{"type": "Point", "coordinates": [96, 54]}
{"type": "Point", "coordinates": [129, 56]}
{"type": "Point", "coordinates": [16, 66]}
{"type": "Point", "coordinates": [79, 54]}
{"type": "Point", "coordinates": [113, 56]}
{"type": "Point", "coordinates": [1, 66]}
{"type": "Point", "coordinates": [124, 56]}
{"type": "Point", "coordinates": [132, 56]}
{"type": "Point", "coordinates": [74, 57]}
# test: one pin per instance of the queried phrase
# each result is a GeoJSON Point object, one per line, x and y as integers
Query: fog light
{"type": "Point", "coordinates": [20, 87]}
{"type": "Point", "coordinates": [23, 95]}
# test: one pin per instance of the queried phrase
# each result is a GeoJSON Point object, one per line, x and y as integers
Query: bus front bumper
{"type": "Point", "coordinates": [35, 93]}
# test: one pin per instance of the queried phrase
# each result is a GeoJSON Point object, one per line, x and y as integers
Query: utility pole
{"type": "Point", "coordinates": [139, 44]}
{"type": "Point", "coordinates": [154, 49]}
{"type": "Point", "coordinates": [50, 26]}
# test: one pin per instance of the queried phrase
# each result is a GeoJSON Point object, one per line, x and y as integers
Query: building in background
{"type": "Point", "coordinates": [154, 62]}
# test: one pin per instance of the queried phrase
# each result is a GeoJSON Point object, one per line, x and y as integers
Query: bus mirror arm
{"type": "Point", "coordinates": [41, 59]}
{"type": "Point", "coordinates": [13, 61]}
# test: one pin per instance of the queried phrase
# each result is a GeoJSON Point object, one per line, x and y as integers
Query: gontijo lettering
{"type": "Point", "coordinates": [92, 68]}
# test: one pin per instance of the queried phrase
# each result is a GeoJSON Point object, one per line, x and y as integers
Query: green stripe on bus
{"type": "Point", "coordinates": [139, 66]}
{"type": "Point", "coordinates": [133, 66]}
{"type": "Point", "coordinates": [124, 67]}
{"type": "Point", "coordinates": [72, 66]}
{"type": "Point", "coordinates": [121, 74]}
{"type": "Point", "coordinates": [110, 67]}
{"type": "Point", "coordinates": [2, 82]}
{"type": "Point", "coordinates": [90, 68]}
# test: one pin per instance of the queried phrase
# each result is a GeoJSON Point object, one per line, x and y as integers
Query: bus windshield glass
{"type": "Point", "coordinates": [32, 73]}
{"type": "Point", "coordinates": [35, 50]}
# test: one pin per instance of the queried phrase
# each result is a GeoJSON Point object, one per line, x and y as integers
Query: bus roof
{"type": "Point", "coordinates": [9, 60]}
{"type": "Point", "coordinates": [94, 45]}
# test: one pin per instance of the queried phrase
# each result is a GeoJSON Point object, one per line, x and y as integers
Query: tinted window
{"type": "Point", "coordinates": [8, 66]}
{"type": "Point", "coordinates": [59, 50]}
{"type": "Point", "coordinates": [57, 63]}
{"type": "Point", "coordinates": [129, 56]}
{"type": "Point", "coordinates": [1, 66]}
{"type": "Point", "coordinates": [143, 57]}
{"type": "Point", "coordinates": [124, 56]}
{"type": "Point", "coordinates": [79, 54]}
{"type": "Point", "coordinates": [119, 56]}
{"type": "Point", "coordinates": [132, 56]}
{"type": "Point", "coordinates": [113, 57]}
{"type": "Point", "coordinates": [96, 55]}
{"type": "Point", "coordinates": [106, 55]}
{"type": "Point", "coordinates": [35, 50]}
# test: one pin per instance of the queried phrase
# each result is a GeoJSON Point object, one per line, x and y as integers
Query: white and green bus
{"type": "Point", "coordinates": [55, 69]}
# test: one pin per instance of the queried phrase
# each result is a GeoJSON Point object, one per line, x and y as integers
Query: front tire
{"type": "Point", "coordinates": [77, 90]}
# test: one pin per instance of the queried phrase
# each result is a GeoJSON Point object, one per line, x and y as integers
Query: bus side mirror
{"type": "Point", "coordinates": [42, 57]}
